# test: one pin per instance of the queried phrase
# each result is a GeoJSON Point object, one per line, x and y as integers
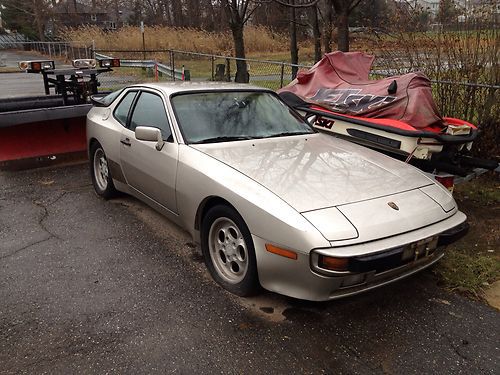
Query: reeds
{"type": "Point", "coordinates": [257, 39]}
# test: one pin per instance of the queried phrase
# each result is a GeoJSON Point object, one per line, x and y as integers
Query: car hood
{"type": "Point", "coordinates": [317, 171]}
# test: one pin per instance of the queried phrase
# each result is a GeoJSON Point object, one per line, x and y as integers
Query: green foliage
{"type": "Point", "coordinates": [16, 16]}
{"type": "Point", "coordinates": [468, 272]}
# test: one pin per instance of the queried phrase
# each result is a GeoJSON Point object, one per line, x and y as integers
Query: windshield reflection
{"type": "Point", "coordinates": [234, 115]}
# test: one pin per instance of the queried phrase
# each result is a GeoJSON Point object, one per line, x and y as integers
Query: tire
{"type": "Point", "coordinates": [99, 171]}
{"type": "Point", "coordinates": [228, 251]}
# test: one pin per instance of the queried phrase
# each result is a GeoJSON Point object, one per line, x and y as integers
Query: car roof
{"type": "Point", "coordinates": [170, 88]}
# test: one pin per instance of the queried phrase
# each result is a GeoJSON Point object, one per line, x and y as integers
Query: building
{"type": "Point", "coordinates": [69, 13]}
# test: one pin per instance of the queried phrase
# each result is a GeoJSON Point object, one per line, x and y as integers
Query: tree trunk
{"type": "Point", "coordinates": [178, 17]}
{"type": "Point", "coordinates": [327, 33]}
{"type": "Point", "coordinates": [40, 27]}
{"type": "Point", "coordinates": [343, 31]}
{"type": "Point", "coordinates": [193, 14]}
{"type": "Point", "coordinates": [316, 33]}
{"type": "Point", "coordinates": [239, 49]}
{"type": "Point", "coordinates": [294, 49]}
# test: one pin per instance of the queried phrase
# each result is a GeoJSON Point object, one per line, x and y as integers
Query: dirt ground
{"type": "Point", "coordinates": [472, 265]}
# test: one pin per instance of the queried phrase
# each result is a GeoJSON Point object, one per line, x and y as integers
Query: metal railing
{"type": "Point", "coordinates": [198, 67]}
{"type": "Point", "coordinates": [53, 49]}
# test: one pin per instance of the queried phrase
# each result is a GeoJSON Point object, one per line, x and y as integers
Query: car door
{"type": "Point", "coordinates": [146, 169]}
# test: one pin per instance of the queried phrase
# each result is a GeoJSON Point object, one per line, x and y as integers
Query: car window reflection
{"type": "Point", "coordinates": [150, 111]}
{"type": "Point", "coordinates": [226, 116]}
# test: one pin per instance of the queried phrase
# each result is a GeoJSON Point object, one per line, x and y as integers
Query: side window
{"type": "Point", "coordinates": [123, 108]}
{"type": "Point", "coordinates": [150, 111]}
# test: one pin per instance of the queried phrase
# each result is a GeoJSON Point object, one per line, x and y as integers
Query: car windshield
{"type": "Point", "coordinates": [223, 116]}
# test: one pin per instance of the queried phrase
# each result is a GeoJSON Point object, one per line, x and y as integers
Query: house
{"type": "Point", "coordinates": [70, 13]}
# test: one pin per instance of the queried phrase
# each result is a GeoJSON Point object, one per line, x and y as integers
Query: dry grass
{"type": "Point", "coordinates": [257, 39]}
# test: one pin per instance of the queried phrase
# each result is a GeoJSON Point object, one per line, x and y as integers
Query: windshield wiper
{"type": "Point", "coordinates": [224, 139]}
{"type": "Point", "coordinates": [285, 134]}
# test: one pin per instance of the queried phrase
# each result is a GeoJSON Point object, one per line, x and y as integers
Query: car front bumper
{"type": "Point", "coordinates": [300, 278]}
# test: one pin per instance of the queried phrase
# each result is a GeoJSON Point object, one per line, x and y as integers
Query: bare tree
{"type": "Point", "coordinates": [294, 5]}
{"type": "Point", "coordinates": [239, 12]}
{"type": "Point", "coordinates": [343, 9]}
{"type": "Point", "coordinates": [314, 22]}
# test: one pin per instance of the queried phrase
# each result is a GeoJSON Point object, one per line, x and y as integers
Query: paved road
{"type": "Point", "coordinates": [88, 285]}
{"type": "Point", "coordinates": [21, 84]}
{"type": "Point", "coordinates": [28, 84]}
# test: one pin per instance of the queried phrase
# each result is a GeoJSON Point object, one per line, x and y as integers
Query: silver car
{"type": "Point", "coordinates": [272, 202]}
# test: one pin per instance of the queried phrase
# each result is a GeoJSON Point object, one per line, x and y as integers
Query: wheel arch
{"type": "Point", "coordinates": [91, 142]}
{"type": "Point", "coordinates": [207, 204]}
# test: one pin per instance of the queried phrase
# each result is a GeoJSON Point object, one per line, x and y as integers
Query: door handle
{"type": "Point", "coordinates": [125, 142]}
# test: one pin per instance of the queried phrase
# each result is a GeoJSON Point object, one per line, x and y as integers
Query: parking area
{"type": "Point", "coordinates": [88, 285]}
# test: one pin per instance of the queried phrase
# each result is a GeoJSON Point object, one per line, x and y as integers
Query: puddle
{"type": "Point", "coordinates": [266, 306]}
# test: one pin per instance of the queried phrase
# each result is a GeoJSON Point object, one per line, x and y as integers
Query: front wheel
{"type": "Point", "coordinates": [228, 251]}
{"type": "Point", "coordinates": [99, 170]}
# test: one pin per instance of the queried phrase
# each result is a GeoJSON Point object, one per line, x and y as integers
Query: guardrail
{"type": "Point", "coordinates": [160, 68]}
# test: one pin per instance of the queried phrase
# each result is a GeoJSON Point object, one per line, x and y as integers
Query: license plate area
{"type": "Point", "coordinates": [419, 249]}
{"type": "Point", "coordinates": [394, 258]}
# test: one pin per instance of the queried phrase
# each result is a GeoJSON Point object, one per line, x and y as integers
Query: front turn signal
{"type": "Point", "coordinates": [282, 252]}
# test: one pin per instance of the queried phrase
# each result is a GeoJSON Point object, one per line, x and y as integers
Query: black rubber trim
{"type": "Point", "coordinates": [393, 258]}
{"type": "Point", "coordinates": [378, 262]}
{"type": "Point", "coordinates": [453, 234]}
{"type": "Point", "coordinates": [392, 143]}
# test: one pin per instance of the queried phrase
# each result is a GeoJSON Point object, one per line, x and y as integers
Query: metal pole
{"type": "Point", "coordinates": [213, 68]}
{"type": "Point", "coordinates": [282, 74]}
{"type": "Point", "coordinates": [143, 41]}
{"type": "Point", "coordinates": [172, 64]}
{"type": "Point", "coordinates": [228, 70]}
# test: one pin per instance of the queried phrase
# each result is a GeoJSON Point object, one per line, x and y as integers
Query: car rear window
{"type": "Point", "coordinates": [105, 101]}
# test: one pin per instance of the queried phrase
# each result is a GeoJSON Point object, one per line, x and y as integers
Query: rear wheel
{"type": "Point", "coordinates": [228, 251]}
{"type": "Point", "coordinates": [99, 170]}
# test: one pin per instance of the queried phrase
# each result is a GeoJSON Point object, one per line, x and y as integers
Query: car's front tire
{"type": "Point", "coordinates": [228, 251]}
{"type": "Point", "coordinates": [99, 171]}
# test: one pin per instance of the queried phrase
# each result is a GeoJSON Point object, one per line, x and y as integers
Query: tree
{"type": "Point", "coordinates": [238, 12]}
{"type": "Point", "coordinates": [448, 11]}
{"type": "Point", "coordinates": [27, 17]}
{"type": "Point", "coordinates": [343, 9]}
{"type": "Point", "coordinates": [294, 5]}
{"type": "Point", "coordinates": [314, 22]}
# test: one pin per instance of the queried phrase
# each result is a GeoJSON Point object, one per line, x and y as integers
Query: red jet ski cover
{"type": "Point", "coordinates": [339, 81]}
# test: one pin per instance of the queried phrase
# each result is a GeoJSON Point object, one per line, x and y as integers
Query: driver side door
{"type": "Point", "coordinates": [147, 170]}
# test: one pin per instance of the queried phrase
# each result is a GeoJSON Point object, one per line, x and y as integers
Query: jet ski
{"type": "Point", "coordinates": [396, 115]}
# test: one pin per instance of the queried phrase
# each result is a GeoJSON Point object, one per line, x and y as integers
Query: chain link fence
{"type": "Point", "coordinates": [53, 50]}
{"type": "Point", "coordinates": [164, 65]}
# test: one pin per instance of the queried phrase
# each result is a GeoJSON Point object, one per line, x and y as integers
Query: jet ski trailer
{"type": "Point", "coordinates": [395, 115]}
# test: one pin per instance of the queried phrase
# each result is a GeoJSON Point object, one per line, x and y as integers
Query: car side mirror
{"type": "Point", "coordinates": [150, 134]}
